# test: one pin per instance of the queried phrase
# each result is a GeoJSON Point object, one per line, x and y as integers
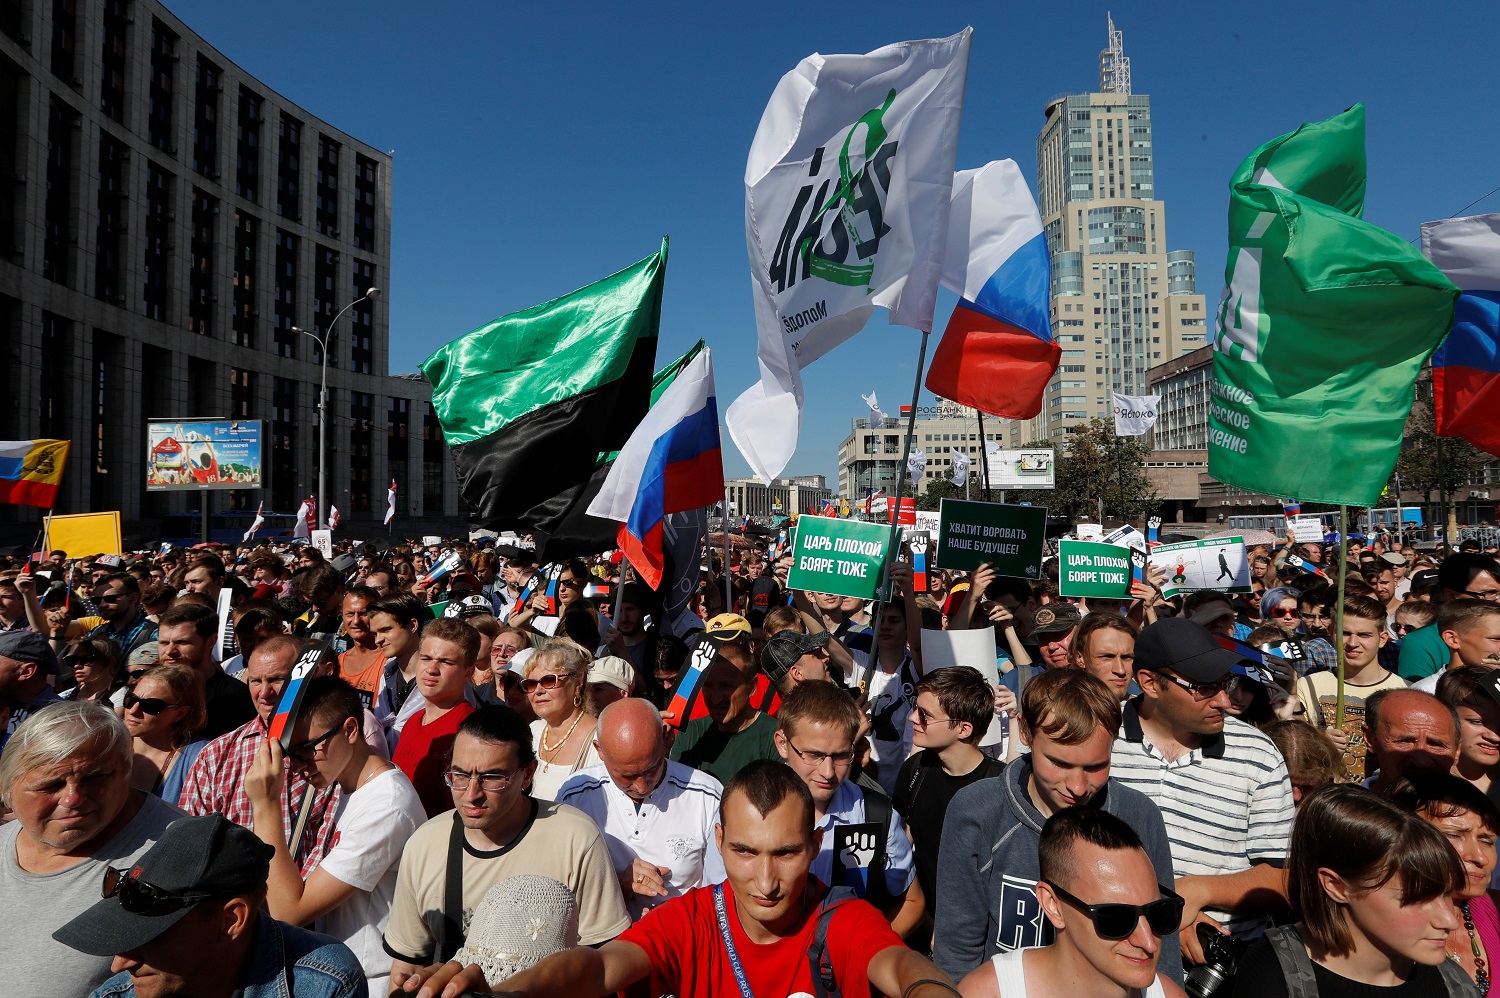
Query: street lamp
{"type": "Point", "coordinates": [370, 295]}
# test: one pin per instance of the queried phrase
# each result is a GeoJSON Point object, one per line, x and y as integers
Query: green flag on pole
{"type": "Point", "coordinates": [1324, 323]}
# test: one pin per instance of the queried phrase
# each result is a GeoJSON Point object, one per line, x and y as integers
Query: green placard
{"type": "Point", "coordinates": [1090, 569]}
{"type": "Point", "coordinates": [1011, 538]}
{"type": "Point", "coordinates": [841, 557]}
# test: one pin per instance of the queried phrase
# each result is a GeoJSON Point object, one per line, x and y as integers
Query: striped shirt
{"type": "Point", "coordinates": [1227, 805]}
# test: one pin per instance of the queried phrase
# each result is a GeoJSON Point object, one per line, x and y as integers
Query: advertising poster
{"type": "Point", "coordinates": [1028, 468]}
{"type": "Point", "coordinates": [203, 454]}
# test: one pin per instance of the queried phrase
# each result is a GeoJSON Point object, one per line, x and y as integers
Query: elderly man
{"type": "Point", "coordinates": [188, 919]}
{"type": "Point", "coordinates": [26, 663]}
{"type": "Point", "coordinates": [216, 782]}
{"type": "Point", "coordinates": [66, 775]}
{"type": "Point", "coordinates": [657, 816]}
{"type": "Point", "coordinates": [1407, 731]}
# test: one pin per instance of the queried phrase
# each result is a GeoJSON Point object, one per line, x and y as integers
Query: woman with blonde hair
{"type": "Point", "coordinates": [556, 684]}
{"type": "Point", "coordinates": [163, 714]}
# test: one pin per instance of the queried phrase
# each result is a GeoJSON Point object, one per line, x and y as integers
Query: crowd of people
{"type": "Point", "coordinates": [516, 778]}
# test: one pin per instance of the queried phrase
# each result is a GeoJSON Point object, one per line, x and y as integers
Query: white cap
{"type": "Point", "coordinates": [613, 670]}
{"type": "Point", "coordinates": [519, 659]}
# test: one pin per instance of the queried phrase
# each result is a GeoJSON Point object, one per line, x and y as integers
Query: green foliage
{"type": "Point", "coordinates": [1094, 465]}
{"type": "Point", "coordinates": [1419, 466]}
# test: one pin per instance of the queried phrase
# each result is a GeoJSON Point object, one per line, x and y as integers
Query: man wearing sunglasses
{"type": "Point", "coordinates": [188, 918]}
{"type": "Point", "coordinates": [118, 597]}
{"type": "Point", "coordinates": [1221, 785]}
{"type": "Point", "coordinates": [1110, 915]}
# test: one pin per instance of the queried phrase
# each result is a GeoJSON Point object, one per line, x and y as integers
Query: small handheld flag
{"type": "Point", "coordinates": [682, 698]}
{"type": "Point", "coordinates": [554, 578]}
{"type": "Point", "coordinates": [1296, 562]}
{"type": "Point", "coordinates": [447, 563]}
{"type": "Point", "coordinates": [1153, 532]}
{"type": "Point", "coordinates": [917, 543]}
{"type": "Point", "coordinates": [855, 851]}
{"type": "Point", "coordinates": [260, 520]}
{"type": "Point", "coordinates": [333, 517]}
{"type": "Point", "coordinates": [291, 696]}
{"type": "Point", "coordinates": [1137, 565]}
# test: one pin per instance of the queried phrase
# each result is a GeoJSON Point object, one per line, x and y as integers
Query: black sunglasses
{"type": "Point", "coordinates": [134, 675]}
{"type": "Point", "coordinates": [81, 659]}
{"type": "Point", "coordinates": [140, 898]}
{"type": "Point", "coordinates": [1118, 921]}
{"type": "Point", "coordinates": [308, 750]}
{"type": "Point", "coordinates": [150, 705]}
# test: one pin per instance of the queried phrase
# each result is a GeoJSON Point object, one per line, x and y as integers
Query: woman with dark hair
{"type": "Point", "coordinates": [1371, 888]}
{"type": "Point", "coordinates": [98, 671]}
{"type": "Point", "coordinates": [1471, 823]}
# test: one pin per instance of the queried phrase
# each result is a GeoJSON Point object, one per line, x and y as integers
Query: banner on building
{"type": "Point", "coordinates": [1027, 468]}
{"type": "Point", "coordinates": [203, 454]}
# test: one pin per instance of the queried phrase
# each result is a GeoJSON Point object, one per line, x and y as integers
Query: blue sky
{"type": "Point", "coordinates": [539, 147]}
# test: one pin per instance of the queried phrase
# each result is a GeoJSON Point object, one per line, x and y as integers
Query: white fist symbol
{"type": "Point", "coordinates": [858, 851]}
{"type": "Point", "coordinates": [1154, 523]}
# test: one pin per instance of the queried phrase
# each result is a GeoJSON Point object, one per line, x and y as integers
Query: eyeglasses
{"type": "Point", "coordinates": [1118, 921]}
{"type": "Point", "coordinates": [81, 659]}
{"type": "Point", "coordinates": [924, 718]}
{"type": "Point", "coordinates": [490, 783]}
{"type": "Point", "coordinates": [1200, 691]}
{"type": "Point", "coordinates": [570, 583]}
{"type": "Point", "coordinates": [140, 898]}
{"type": "Point", "coordinates": [101, 600]}
{"type": "Point", "coordinates": [149, 705]}
{"type": "Point", "coordinates": [1277, 611]}
{"type": "Point", "coordinates": [816, 759]}
{"type": "Point", "coordinates": [308, 751]}
{"type": "Point", "coordinates": [1488, 594]}
{"type": "Point", "coordinates": [134, 675]}
{"type": "Point", "coordinates": [1400, 628]}
{"type": "Point", "coordinates": [549, 682]}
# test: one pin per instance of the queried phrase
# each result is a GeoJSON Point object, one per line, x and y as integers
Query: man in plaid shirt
{"type": "Point", "coordinates": [216, 783]}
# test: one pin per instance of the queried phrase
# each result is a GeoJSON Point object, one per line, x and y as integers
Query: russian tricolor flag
{"type": "Point", "coordinates": [997, 353]}
{"type": "Point", "coordinates": [1466, 366]}
{"type": "Point", "coordinates": [670, 464]}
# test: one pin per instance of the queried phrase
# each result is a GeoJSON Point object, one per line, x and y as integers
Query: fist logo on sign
{"type": "Point", "coordinates": [1154, 523]}
{"type": "Point", "coordinates": [859, 851]}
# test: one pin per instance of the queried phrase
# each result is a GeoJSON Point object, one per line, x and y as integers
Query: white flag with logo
{"type": "Point", "coordinates": [1134, 414]}
{"type": "Point", "coordinates": [847, 192]}
{"type": "Point", "coordinates": [960, 467]}
{"type": "Point", "coordinates": [260, 521]}
{"type": "Point", "coordinates": [874, 404]}
{"type": "Point", "coordinates": [916, 463]}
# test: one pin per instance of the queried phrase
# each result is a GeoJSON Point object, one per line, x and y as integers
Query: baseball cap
{"type": "Point", "coordinates": [147, 655]}
{"type": "Point", "coordinates": [1056, 618]}
{"type": "Point", "coordinates": [195, 858]}
{"type": "Point", "coordinates": [475, 605]}
{"type": "Point", "coordinates": [1393, 558]}
{"type": "Point", "coordinates": [1184, 647]}
{"type": "Point", "coordinates": [29, 646]}
{"type": "Point", "coordinates": [785, 647]}
{"type": "Point", "coordinates": [613, 670]}
{"type": "Point", "coordinates": [727, 627]}
{"type": "Point", "coordinates": [1212, 611]}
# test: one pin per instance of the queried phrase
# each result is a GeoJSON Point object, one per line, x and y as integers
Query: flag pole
{"type": "Point", "coordinates": [724, 524]}
{"type": "Point", "coordinates": [984, 459]}
{"type": "Point", "coordinates": [1338, 616]}
{"type": "Point", "coordinates": [891, 548]}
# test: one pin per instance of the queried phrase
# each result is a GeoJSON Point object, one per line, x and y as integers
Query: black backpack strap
{"type": "Point", "coordinates": [452, 936]}
{"type": "Point", "coordinates": [824, 985]}
{"type": "Point", "coordinates": [1296, 965]}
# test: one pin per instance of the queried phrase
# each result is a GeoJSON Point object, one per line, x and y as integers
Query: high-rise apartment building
{"type": "Point", "coordinates": [1121, 302]}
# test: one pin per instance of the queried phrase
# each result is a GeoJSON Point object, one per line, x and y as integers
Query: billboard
{"type": "Point", "coordinates": [203, 454]}
{"type": "Point", "coordinates": [1027, 468]}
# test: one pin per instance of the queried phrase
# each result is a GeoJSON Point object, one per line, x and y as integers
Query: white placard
{"type": "Point", "coordinates": [431, 540]}
{"type": "Point", "coordinates": [1027, 468]}
{"type": "Point", "coordinates": [323, 541]}
{"type": "Point", "coordinates": [1127, 536]}
{"type": "Point", "coordinates": [1307, 529]}
{"type": "Point", "coordinates": [1090, 532]}
{"type": "Point", "coordinates": [974, 648]}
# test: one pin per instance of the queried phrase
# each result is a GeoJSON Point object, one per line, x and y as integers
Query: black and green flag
{"type": "Point", "coordinates": [531, 401]}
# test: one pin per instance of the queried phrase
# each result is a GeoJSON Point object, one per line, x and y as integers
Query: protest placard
{"type": "Point", "coordinates": [83, 535]}
{"type": "Point", "coordinates": [1008, 537]}
{"type": "Point", "coordinates": [928, 520]}
{"type": "Point", "coordinates": [1126, 536]}
{"type": "Point", "coordinates": [323, 541]}
{"type": "Point", "coordinates": [974, 647]}
{"type": "Point", "coordinates": [840, 557]}
{"type": "Point", "coordinates": [1089, 532]}
{"type": "Point", "coordinates": [1306, 529]}
{"type": "Point", "coordinates": [1216, 563]}
{"type": "Point", "coordinates": [1091, 569]}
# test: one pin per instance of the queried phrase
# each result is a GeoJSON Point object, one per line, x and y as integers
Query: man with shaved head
{"type": "Point", "coordinates": [657, 815]}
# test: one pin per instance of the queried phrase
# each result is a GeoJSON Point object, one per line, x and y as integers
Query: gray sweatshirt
{"type": "Point", "coordinates": [988, 869]}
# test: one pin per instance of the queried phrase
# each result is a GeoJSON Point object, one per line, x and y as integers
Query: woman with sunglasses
{"type": "Point", "coordinates": [1371, 888]}
{"type": "Point", "coordinates": [563, 731]}
{"type": "Point", "coordinates": [1471, 823]}
{"type": "Point", "coordinates": [95, 664]}
{"type": "Point", "coordinates": [162, 714]}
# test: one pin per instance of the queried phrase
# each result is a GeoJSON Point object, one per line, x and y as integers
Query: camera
{"type": "Point", "coordinates": [1220, 954]}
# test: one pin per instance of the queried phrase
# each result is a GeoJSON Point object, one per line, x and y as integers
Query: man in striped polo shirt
{"type": "Point", "coordinates": [1221, 785]}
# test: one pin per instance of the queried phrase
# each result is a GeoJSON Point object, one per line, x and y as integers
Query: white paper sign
{"type": "Point", "coordinates": [431, 540]}
{"type": "Point", "coordinates": [1215, 563]}
{"type": "Point", "coordinates": [974, 648]}
{"type": "Point", "coordinates": [1090, 532]}
{"type": "Point", "coordinates": [1126, 536]}
{"type": "Point", "coordinates": [323, 541]}
{"type": "Point", "coordinates": [1307, 530]}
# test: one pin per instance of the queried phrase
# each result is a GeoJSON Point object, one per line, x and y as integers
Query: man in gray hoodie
{"type": "Point", "coordinates": [988, 864]}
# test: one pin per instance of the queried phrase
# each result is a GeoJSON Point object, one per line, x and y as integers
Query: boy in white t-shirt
{"type": "Point", "coordinates": [348, 896]}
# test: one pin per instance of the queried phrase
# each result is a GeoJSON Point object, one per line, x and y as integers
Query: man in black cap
{"type": "Point", "coordinates": [791, 658]}
{"type": "Point", "coordinates": [1221, 785]}
{"type": "Point", "coordinates": [188, 919]}
{"type": "Point", "coordinates": [26, 662]}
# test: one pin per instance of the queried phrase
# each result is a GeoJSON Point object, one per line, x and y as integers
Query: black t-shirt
{"type": "Point", "coordinates": [765, 594]}
{"type": "Point", "coordinates": [1259, 975]}
{"type": "Point", "coordinates": [923, 793]}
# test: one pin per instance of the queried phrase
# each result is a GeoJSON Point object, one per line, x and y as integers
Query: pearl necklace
{"type": "Point", "coordinates": [554, 749]}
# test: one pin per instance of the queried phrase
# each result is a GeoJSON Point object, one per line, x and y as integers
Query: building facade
{"type": "Point", "coordinates": [870, 455]}
{"type": "Point", "coordinates": [783, 497]}
{"type": "Point", "coordinates": [1121, 301]}
{"type": "Point", "coordinates": [168, 224]}
{"type": "Point", "coordinates": [1182, 415]}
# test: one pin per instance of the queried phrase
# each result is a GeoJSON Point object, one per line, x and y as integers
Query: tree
{"type": "Point", "coordinates": [1095, 464]}
{"type": "Point", "coordinates": [1420, 466]}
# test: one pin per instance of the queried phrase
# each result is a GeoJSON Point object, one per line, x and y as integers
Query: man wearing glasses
{"type": "Point", "coordinates": [1110, 940]}
{"type": "Point", "coordinates": [1221, 785]}
{"type": "Point", "coordinates": [817, 725]}
{"type": "Point", "coordinates": [497, 830]}
{"type": "Point", "coordinates": [657, 816]}
{"type": "Point", "coordinates": [118, 597]}
{"type": "Point", "coordinates": [349, 895]}
{"type": "Point", "coordinates": [187, 919]}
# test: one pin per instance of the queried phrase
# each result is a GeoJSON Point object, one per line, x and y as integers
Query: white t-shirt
{"type": "Point", "coordinates": [1010, 975]}
{"type": "Point", "coordinates": [673, 827]}
{"type": "Point", "coordinates": [889, 705]}
{"type": "Point", "coordinates": [371, 827]}
{"type": "Point", "coordinates": [550, 776]}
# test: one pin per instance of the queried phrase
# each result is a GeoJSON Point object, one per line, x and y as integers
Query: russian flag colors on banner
{"type": "Point", "coordinates": [997, 353]}
{"type": "Point", "coordinates": [1466, 366]}
{"type": "Point", "coordinates": [682, 699]}
{"type": "Point", "coordinates": [31, 470]}
{"type": "Point", "coordinates": [285, 717]}
{"type": "Point", "coordinates": [670, 464]}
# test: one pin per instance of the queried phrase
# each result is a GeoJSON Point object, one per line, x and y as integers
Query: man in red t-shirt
{"type": "Point", "coordinates": [771, 912]}
{"type": "Point", "coordinates": [445, 663]}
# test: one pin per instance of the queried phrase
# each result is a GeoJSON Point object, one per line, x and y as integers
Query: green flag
{"type": "Point", "coordinates": [1324, 323]}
